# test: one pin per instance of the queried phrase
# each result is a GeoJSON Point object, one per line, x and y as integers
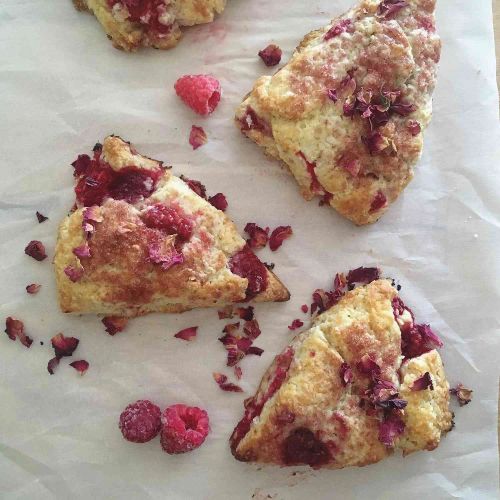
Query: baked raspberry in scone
{"type": "Point", "coordinates": [142, 240]}
{"type": "Point", "coordinates": [131, 24]}
{"type": "Point", "coordinates": [363, 381]}
{"type": "Point", "coordinates": [347, 112]}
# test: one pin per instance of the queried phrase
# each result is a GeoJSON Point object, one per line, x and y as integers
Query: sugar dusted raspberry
{"type": "Point", "coordinates": [140, 421]}
{"type": "Point", "coordinates": [200, 92]}
{"type": "Point", "coordinates": [183, 428]}
{"type": "Point", "coordinates": [36, 249]}
{"type": "Point", "coordinates": [168, 218]}
{"type": "Point", "coordinates": [271, 55]}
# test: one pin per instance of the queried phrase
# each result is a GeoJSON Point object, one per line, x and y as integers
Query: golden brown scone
{"type": "Point", "coordinates": [142, 240]}
{"type": "Point", "coordinates": [131, 24]}
{"type": "Point", "coordinates": [347, 112]}
{"type": "Point", "coordinates": [363, 381]}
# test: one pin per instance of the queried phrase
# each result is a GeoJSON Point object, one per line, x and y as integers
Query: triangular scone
{"type": "Point", "coordinates": [348, 391]}
{"type": "Point", "coordinates": [142, 240]}
{"type": "Point", "coordinates": [347, 112]}
{"type": "Point", "coordinates": [131, 24]}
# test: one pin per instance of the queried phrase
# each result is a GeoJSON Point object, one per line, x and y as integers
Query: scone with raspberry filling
{"type": "Point", "coordinates": [142, 240]}
{"type": "Point", "coordinates": [131, 24]}
{"type": "Point", "coordinates": [363, 381]}
{"type": "Point", "coordinates": [347, 112]}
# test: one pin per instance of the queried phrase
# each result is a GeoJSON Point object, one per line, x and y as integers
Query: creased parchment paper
{"type": "Point", "coordinates": [63, 87]}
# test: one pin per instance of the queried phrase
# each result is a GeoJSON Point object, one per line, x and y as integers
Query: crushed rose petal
{"type": "Point", "coordinates": [33, 288]}
{"type": "Point", "coordinates": [278, 236]}
{"type": "Point", "coordinates": [296, 323]}
{"type": "Point", "coordinates": [463, 395]}
{"type": "Point", "coordinates": [344, 26]}
{"type": "Point", "coordinates": [195, 186]}
{"type": "Point", "coordinates": [14, 328]}
{"type": "Point", "coordinates": [258, 236]}
{"type": "Point", "coordinates": [389, 8]}
{"type": "Point", "coordinates": [363, 275]}
{"type": "Point", "coordinates": [346, 375]}
{"type": "Point", "coordinates": [74, 273]}
{"type": "Point", "coordinates": [80, 366]}
{"type": "Point", "coordinates": [392, 403]}
{"type": "Point", "coordinates": [251, 329]}
{"type": "Point", "coordinates": [222, 382]}
{"type": "Point", "coordinates": [114, 324]}
{"type": "Point", "coordinates": [378, 202]}
{"type": "Point", "coordinates": [271, 55]}
{"type": "Point", "coordinates": [414, 127]}
{"type": "Point", "coordinates": [163, 252]}
{"type": "Point", "coordinates": [36, 249]}
{"type": "Point", "coordinates": [423, 382]}
{"type": "Point", "coordinates": [238, 372]}
{"type": "Point", "coordinates": [41, 218]}
{"type": "Point", "coordinates": [197, 137]}
{"type": "Point", "coordinates": [368, 366]}
{"type": "Point", "coordinates": [52, 365]}
{"type": "Point", "coordinates": [390, 429]}
{"type": "Point", "coordinates": [64, 346]}
{"type": "Point", "coordinates": [226, 312]}
{"type": "Point", "coordinates": [219, 201]}
{"type": "Point", "coordinates": [332, 95]}
{"type": "Point", "coordinates": [245, 313]}
{"type": "Point", "coordinates": [187, 333]}
{"type": "Point", "coordinates": [83, 251]}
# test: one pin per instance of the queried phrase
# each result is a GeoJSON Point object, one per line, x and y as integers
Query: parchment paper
{"type": "Point", "coordinates": [63, 87]}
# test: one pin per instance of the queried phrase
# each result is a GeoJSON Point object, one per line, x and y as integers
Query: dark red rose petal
{"type": "Point", "coordinates": [74, 273]}
{"type": "Point", "coordinates": [338, 29]}
{"type": "Point", "coordinates": [238, 372]}
{"type": "Point", "coordinates": [382, 390]}
{"type": "Point", "coordinates": [246, 264]}
{"type": "Point", "coordinates": [301, 446]}
{"type": "Point", "coordinates": [346, 375]}
{"type": "Point", "coordinates": [390, 429]}
{"type": "Point", "coordinates": [52, 365]}
{"type": "Point", "coordinates": [197, 137]}
{"type": "Point", "coordinates": [278, 236]}
{"type": "Point", "coordinates": [375, 142]}
{"type": "Point", "coordinates": [80, 366]}
{"type": "Point", "coordinates": [257, 351]}
{"type": "Point", "coordinates": [389, 8]}
{"type": "Point", "coordinates": [392, 403]}
{"type": "Point", "coordinates": [418, 339]}
{"type": "Point", "coordinates": [187, 333]}
{"type": "Point", "coordinates": [33, 288]}
{"type": "Point", "coordinates": [82, 252]}
{"type": "Point", "coordinates": [423, 382]}
{"type": "Point", "coordinates": [271, 55]}
{"type": "Point", "coordinates": [378, 202]}
{"type": "Point", "coordinates": [14, 328]}
{"type": "Point", "coordinates": [463, 395]}
{"type": "Point", "coordinates": [258, 236]}
{"type": "Point", "coordinates": [41, 218]}
{"type": "Point", "coordinates": [224, 384]}
{"type": "Point", "coordinates": [296, 323]}
{"type": "Point", "coordinates": [36, 249]}
{"type": "Point", "coordinates": [64, 346]}
{"type": "Point", "coordinates": [114, 324]}
{"type": "Point", "coordinates": [219, 201]}
{"type": "Point", "coordinates": [304, 308]}
{"type": "Point", "coordinates": [363, 275]}
{"type": "Point", "coordinates": [332, 95]}
{"type": "Point", "coordinates": [163, 252]}
{"type": "Point", "coordinates": [368, 366]}
{"type": "Point", "coordinates": [251, 329]}
{"type": "Point", "coordinates": [245, 313]}
{"type": "Point", "coordinates": [414, 127]}
{"type": "Point", "coordinates": [195, 186]}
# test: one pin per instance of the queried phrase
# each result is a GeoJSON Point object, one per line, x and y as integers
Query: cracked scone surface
{"type": "Point", "coordinates": [303, 413]}
{"type": "Point", "coordinates": [132, 265]}
{"type": "Point", "coordinates": [312, 114]}
{"type": "Point", "coordinates": [149, 23]}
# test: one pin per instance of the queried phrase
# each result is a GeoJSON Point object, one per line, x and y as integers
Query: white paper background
{"type": "Point", "coordinates": [63, 87]}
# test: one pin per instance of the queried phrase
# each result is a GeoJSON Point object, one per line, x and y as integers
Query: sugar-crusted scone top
{"type": "Point", "coordinates": [131, 24]}
{"type": "Point", "coordinates": [141, 240]}
{"type": "Point", "coordinates": [343, 393]}
{"type": "Point", "coordinates": [347, 112]}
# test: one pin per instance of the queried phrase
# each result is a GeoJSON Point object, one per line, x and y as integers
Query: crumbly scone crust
{"type": "Point", "coordinates": [401, 52]}
{"type": "Point", "coordinates": [362, 322]}
{"type": "Point", "coordinates": [120, 280]}
{"type": "Point", "coordinates": [130, 36]}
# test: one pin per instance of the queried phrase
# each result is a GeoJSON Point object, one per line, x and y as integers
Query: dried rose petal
{"type": "Point", "coordinates": [83, 251]}
{"type": "Point", "coordinates": [245, 313]}
{"type": "Point", "coordinates": [332, 95]}
{"type": "Point", "coordinates": [424, 382]}
{"type": "Point", "coordinates": [378, 202]}
{"type": "Point", "coordinates": [14, 328]}
{"type": "Point", "coordinates": [368, 366]}
{"type": "Point", "coordinates": [389, 8]}
{"type": "Point", "coordinates": [238, 372]}
{"type": "Point", "coordinates": [114, 324]}
{"type": "Point", "coordinates": [52, 365]}
{"type": "Point", "coordinates": [246, 264]}
{"type": "Point", "coordinates": [197, 137]}
{"type": "Point", "coordinates": [219, 201]}
{"type": "Point", "coordinates": [36, 249]}
{"type": "Point", "coordinates": [164, 252]}
{"type": "Point", "coordinates": [41, 218]}
{"type": "Point", "coordinates": [195, 186]}
{"type": "Point", "coordinates": [304, 308]}
{"type": "Point", "coordinates": [382, 390]}
{"type": "Point", "coordinates": [90, 216]}
{"type": "Point", "coordinates": [187, 333]}
{"type": "Point", "coordinates": [390, 429]}
{"type": "Point", "coordinates": [418, 339]}
{"type": "Point", "coordinates": [296, 323]}
{"type": "Point", "coordinates": [392, 403]}
{"type": "Point", "coordinates": [258, 236]}
{"type": "Point", "coordinates": [226, 312]}
{"type": "Point", "coordinates": [375, 142]}
{"type": "Point", "coordinates": [463, 395]}
{"type": "Point", "coordinates": [251, 329]}
{"type": "Point", "coordinates": [414, 127]}
{"type": "Point", "coordinates": [80, 366]}
{"type": "Point", "coordinates": [344, 26]}
{"type": "Point", "coordinates": [271, 55]}
{"type": "Point", "coordinates": [255, 350]}
{"type": "Point", "coordinates": [64, 346]}
{"type": "Point", "coordinates": [280, 234]}
{"type": "Point", "coordinates": [221, 380]}
{"type": "Point", "coordinates": [33, 288]}
{"type": "Point", "coordinates": [346, 375]}
{"type": "Point", "coordinates": [363, 275]}
{"type": "Point", "coordinates": [231, 328]}
{"type": "Point", "coordinates": [74, 273]}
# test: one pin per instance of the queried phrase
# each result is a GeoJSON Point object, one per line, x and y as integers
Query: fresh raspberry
{"type": "Point", "coordinates": [200, 92]}
{"type": "Point", "coordinates": [184, 428]}
{"type": "Point", "coordinates": [140, 421]}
